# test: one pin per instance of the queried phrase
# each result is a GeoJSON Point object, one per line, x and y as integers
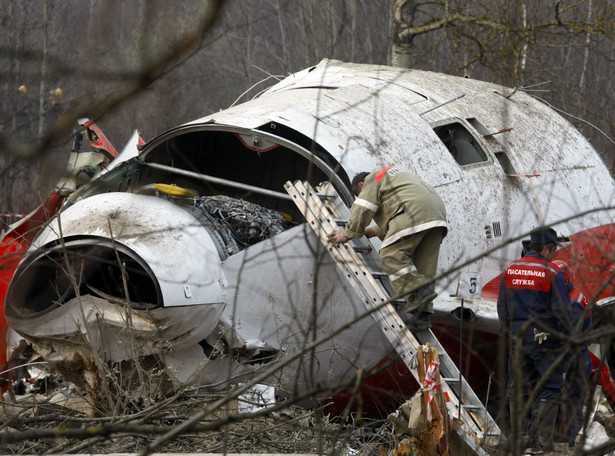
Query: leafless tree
{"type": "Point", "coordinates": [560, 51]}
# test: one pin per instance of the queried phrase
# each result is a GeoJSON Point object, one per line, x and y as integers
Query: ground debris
{"type": "Point", "coordinates": [232, 428]}
{"type": "Point", "coordinates": [49, 423]}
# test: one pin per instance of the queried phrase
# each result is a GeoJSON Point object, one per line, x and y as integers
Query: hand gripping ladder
{"type": "Point", "coordinates": [323, 210]}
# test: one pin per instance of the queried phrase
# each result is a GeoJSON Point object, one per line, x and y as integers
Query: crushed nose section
{"type": "Point", "coordinates": [54, 275]}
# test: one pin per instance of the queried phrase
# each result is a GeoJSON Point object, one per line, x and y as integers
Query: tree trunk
{"type": "Point", "coordinates": [43, 82]}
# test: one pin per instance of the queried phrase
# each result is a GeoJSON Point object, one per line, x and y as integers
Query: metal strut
{"type": "Point", "coordinates": [323, 210]}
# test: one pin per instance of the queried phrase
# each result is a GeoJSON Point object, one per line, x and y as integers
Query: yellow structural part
{"type": "Point", "coordinates": [174, 190]}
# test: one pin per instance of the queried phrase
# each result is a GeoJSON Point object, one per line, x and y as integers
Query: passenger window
{"type": "Point", "coordinates": [461, 144]}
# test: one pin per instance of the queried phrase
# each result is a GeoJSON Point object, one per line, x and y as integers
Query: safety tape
{"type": "Point", "coordinates": [431, 386]}
{"type": "Point", "coordinates": [449, 406]}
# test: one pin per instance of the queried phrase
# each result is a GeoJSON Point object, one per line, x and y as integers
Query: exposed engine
{"type": "Point", "coordinates": [237, 224]}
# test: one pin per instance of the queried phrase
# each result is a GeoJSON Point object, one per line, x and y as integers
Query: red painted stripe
{"type": "Point", "coordinates": [254, 148]}
{"type": "Point", "coordinates": [381, 174]}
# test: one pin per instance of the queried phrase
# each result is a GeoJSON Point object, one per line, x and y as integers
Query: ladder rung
{"type": "Point", "coordinates": [324, 196]}
{"type": "Point", "coordinates": [450, 379]}
{"type": "Point", "coordinates": [378, 274]}
{"type": "Point", "coordinates": [472, 407]}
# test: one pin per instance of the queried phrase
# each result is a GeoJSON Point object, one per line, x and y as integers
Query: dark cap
{"type": "Point", "coordinates": [544, 236]}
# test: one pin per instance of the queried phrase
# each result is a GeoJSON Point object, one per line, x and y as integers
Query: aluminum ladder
{"type": "Point", "coordinates": [324, 210]}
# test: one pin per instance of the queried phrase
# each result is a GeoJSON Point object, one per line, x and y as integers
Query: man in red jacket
{"type": "Point", "coordinates": [533, 306]}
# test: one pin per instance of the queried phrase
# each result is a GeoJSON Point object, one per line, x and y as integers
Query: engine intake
{"type": "Point", "coordinates": [97, 266]}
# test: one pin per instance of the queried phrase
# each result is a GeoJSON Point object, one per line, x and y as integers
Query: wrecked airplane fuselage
{"type": "Point", "coordinates": [214, 287]}
{"type": "Point", "coordinates": [192, 252]}
{"type": "Point", "coordinates": [134, 275]}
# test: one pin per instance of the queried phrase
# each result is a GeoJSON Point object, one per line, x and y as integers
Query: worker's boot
{"type": "Point", "coordinates": [419, 321]}
{"type": "Point", "coordinates": [526, 443]}
{"type": "Point", "coordinates": [419, 298]}
{"type": "Point", "coordinates": [415, 304]}
{"type": "Point", "coordinates": [544, 422]}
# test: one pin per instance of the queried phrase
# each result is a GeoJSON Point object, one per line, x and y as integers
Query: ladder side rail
{"type": "Point", "coordinates": [323, 223]}
{"type": "Point", "coordinates": [447, 367]}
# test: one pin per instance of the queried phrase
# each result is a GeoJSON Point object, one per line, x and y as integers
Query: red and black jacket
{"type": "Point", "coordinates": [533, 289]}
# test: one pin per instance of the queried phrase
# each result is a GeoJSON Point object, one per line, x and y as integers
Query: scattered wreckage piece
{"type": "Point", "coordinates": [82, 166]}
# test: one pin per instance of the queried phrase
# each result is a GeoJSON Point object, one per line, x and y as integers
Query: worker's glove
{"type": "Point", "coordinates": [540, 337]}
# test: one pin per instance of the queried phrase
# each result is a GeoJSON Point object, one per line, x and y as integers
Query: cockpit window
{"type": "Point", "coordinates": [461, 143]}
